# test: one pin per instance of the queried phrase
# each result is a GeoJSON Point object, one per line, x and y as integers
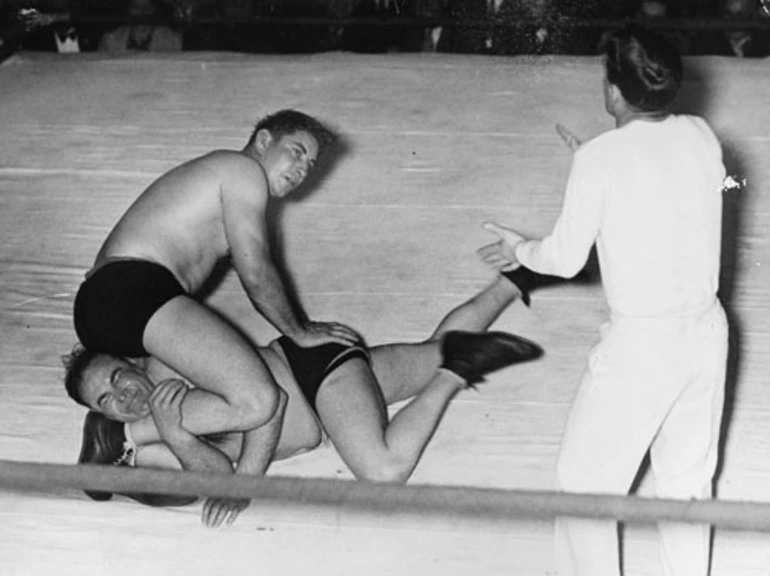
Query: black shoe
{"type": "Point", "coordinates": [104, 442]}
{"type": "Point", "coordinates": [526, 280]}
{"type": "Point", "coordinates": [471, 355]}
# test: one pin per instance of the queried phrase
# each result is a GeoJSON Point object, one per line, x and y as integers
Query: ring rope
{"type": "Point", "coordinates": [410, 504]}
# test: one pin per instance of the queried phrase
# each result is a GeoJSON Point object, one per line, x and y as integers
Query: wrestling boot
{"type": "Point", "coordinates": [526, 280]}
{"type": "Point", "coordinates": [104, 442]}
{"type": "Point", "coordinates": [471, 355]}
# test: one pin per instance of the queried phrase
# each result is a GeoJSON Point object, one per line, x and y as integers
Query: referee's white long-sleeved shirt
{"type": "Point", "coordinates": [649, 195]}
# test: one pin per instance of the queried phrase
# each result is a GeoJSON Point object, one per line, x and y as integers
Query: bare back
{"type": "Point", "coordinates": [179, 221]}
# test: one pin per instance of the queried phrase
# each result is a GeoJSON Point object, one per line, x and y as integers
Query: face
{"type": "Point", "coordinates": [116, 388]}
{"type": "Point", "coordinates": [287, 161]}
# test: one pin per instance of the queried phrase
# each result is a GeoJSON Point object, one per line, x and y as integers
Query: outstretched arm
{"type": "Point", "coordinates": [244, 203]}
{"type": "Point", "coordinates": [565, 250]}
{"type": "Point", "coordinates": [501, 255]}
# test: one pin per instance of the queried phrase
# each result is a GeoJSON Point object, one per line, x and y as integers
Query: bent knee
{"type": "Point", "coordinates": [256, 409]}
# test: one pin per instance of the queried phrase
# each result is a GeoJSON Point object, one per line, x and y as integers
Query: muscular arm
{"type": "Point", "coordinates": [257, 453]}
{"type": "Point", "coordinates": [183, 450]}
{"type": "Point", "coordinates": [178, 448]}
{"type": "Point", "coordinates": [181, 447]}
{"type": "Point", "coordinates": [192, 453]}
{"type": "Point", "coordinates": [253, 454]}
{"type": "Point", "coordinates": [244, 201]}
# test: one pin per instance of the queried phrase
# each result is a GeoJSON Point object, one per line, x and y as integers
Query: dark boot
{"type": "Point", "coordinates": [471, 355]}
{"type": "Point", "coordinates": [104, 442]}
{"type": "Point", "coordinates": [525, 280]}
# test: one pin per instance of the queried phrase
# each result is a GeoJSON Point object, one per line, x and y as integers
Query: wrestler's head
{"type": "Point", "coordinates": [642, 69]}
{"type": "Point", "coordinates": [288, 144]}
{"type": "Point", "coordinates": [107, 384]}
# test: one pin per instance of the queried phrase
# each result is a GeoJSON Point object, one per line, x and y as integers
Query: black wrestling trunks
{"type": "Point", "coordinates": [311, 365]}
{"type": "Point", "coordinates": [115, 303]}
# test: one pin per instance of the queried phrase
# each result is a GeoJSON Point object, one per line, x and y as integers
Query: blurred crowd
{"type": "Point", "coordinates": [302, 26]}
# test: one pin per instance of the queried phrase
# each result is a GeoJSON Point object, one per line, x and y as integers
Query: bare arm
{"type": "Point", "coordinates": [256, 455]}
{"type": "Point", "coordinates": [243, 211]}
{"type": "Point", "coordinates": [179, 448]}
{"type": "Point", "coordinates": [244, 201]}
{"type": "Point", "coordinates": [192, 453]}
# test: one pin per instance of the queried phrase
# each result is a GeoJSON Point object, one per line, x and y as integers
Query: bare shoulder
{"type": "Point", "coordinates": [240, 176]}
{"type": "Point", "coordinates": [232, 162]}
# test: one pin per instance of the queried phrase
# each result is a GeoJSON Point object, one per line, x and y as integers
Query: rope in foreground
{"type": "Point", "coordinates": [387, 503]}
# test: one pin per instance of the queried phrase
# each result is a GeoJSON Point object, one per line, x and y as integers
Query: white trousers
{"type": "Point", "coordinates": [654, 384]}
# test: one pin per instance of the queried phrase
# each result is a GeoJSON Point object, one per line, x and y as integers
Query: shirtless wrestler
{"type": "Point", "coordinates": [338, 390]}
{"type": "Point", "coordinates": [138, 300]}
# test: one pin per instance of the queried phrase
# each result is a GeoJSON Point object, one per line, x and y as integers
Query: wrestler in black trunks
{"type": "Point", "coordinates": [115, 303]}
{"type": "Point", "coordinates": [311, 366]}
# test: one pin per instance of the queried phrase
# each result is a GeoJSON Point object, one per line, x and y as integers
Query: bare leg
{"type": "Point", "coordinates": [478, 313]}
{"type": "Point", "coordinates": [404, 370]}
{"type": "Point", "coordinates": [204, 349]}
{"type": "Point", "coordinates": [352, 411]}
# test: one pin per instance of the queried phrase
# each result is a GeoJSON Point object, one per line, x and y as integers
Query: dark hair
{"type": "Point", "coordinates": [646, 67]}
{"type": "Point", "coordinates": [95, 421]}
{"type": "Point", "coordinates": [286, 122]}
{"type": "Point", "coordinates": [75, 364]}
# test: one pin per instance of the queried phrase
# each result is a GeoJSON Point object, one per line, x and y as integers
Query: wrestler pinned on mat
{"type": "Point", "coordinates": [341, 391]}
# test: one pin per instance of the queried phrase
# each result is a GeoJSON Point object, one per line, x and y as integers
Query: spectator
{"type": "Point", "coordinates": [470, 35]}
{"type": "Point", "coordinates": [652, 10]}
{"type": "Point", "coordinates": [523, 27]}
{"type": "Point", "coordinates": [376, 38]}
{"type": "Point", "coordinates": [147, 37]}
{"type": "Point", "coordinates": [740, 43]}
